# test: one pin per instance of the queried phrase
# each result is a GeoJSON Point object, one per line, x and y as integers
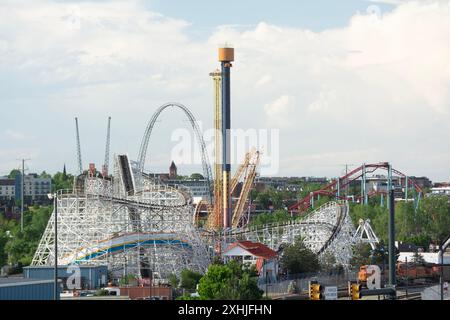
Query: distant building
{"type": "Point", "coordinates": [27, 289]}
{"type": "Point", "coordinates": [286, 183]}
{"type": "Point", "coordinates": [36, 188]}
{"type": "Point", "coordinates": [444, 191]}
{"type": "Point", "coordinates": [422, 182]}
{"type": "Point", "coordinates": [91, 277]}
{"type": "Point", "coordinates": [441, 184]}
{"type": "Point", "coordinates": [441, 191]}
{"type": "Point", "coordinates": [198, 188]}
{"type": "Point", "coordinates": [7, 190]}
{"type": "Point", "coordinates": [379, 183]}
{"type": "Point", "coordinates": [173, 171]}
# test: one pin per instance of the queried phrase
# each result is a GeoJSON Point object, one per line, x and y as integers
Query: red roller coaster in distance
{"type": "Point", "coordinates": [332, 189]}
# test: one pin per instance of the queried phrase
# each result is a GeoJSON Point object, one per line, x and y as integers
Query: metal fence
{"type": "Point", "coordinates": [301, 282]}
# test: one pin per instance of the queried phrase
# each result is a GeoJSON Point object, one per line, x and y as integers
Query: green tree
{"type": "Point", "coordinates": [61, 182]}
{"type": "Point", "coordinates": [328, 262]}
{"type": "Point", "coordinates": [22, 245]}
{"type": "Point", "coordinates": [173, 280]}
{"type": "Point", "coordinates": [404, 221]}
{"type": "Point", "coordinates": [268, 197]}
{"type": "Point", "coordinates": [197, 176]}
{"type": "Point", "coordinates": [13, 173]}
{"type": "Point", "coordinates": [44, 175]}
{"type": "Point", "coordinates": [3, 254]}
{"type": "Point", "coordinates": [297, 258]}
{"type": "Point", "coordinates": [279, 216]}
{"type": "Point", "coordinates": [361, 255]}
{"type": "Point", "coordinates": [307, 187]}
{"type": "Point", "coordinates": [189, 279]}
{"type": "Point", "coordinates": [128, 279]}
{"type": "Point", "coordinates": [380, 222]}
{"type": "Point", "coordinates": [358, 211]}
{"type": "Point", "coordinates": [434, 215]}
{"type": "Point", "coordinates": [231, 281]}
{"type": "Point", "coordinates": [101, 292]}
{"type": "Point", "coordinates": [418, 259]}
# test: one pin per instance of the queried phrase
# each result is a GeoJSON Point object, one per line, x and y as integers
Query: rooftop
{"type": "Point", "coordinates": [15, 281]}
{"type": "Point", "coordinates": [257, 249]}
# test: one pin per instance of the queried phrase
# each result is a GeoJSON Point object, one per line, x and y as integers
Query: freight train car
{"type": "Point", "coordinates": [409, 273]}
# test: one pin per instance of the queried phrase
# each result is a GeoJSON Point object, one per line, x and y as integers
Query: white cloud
{"type": "Point", "coordinates": [278, 112]}
{"type": "Point", "coordinates": [17, 136]}
{"type": "Point", "coordinates": [381, 83]}
{"type": "Point", "coordinates": [398, 2]}
{"type": "Point", "coordinates": [264, 80]}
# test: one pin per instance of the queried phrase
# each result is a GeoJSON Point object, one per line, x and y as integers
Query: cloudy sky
{"type": "Point", "coordinates": [344, 82]}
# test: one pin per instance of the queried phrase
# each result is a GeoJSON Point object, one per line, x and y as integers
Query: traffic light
{"type": "Point", "coordinates": [315, 291]}
{"type": "Point", "coordinates": [354, 290]}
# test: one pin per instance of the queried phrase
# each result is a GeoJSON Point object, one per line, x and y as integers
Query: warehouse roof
{"type": "Point", "coordinates": [16, 281]}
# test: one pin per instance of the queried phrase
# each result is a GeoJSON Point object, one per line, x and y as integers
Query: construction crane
{"type": "Point", "coordinates": [106, 163]}
{"type": "Point", "coordinates": [80, 165]}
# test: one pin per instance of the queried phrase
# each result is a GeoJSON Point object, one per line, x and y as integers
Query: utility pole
{"type": "Point", "coordinates": [392, 279]}
{"type": "Point", "coordinates": [22, 188]}
{"type": "Point", "coordinates": [56, 247]}
{"type": "Point", "coordinates": [54, 197]}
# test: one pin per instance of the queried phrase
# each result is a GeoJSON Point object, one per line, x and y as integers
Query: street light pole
{"type": "Point", "coordinates": [21, 194]}
{"type": "Point", "coordinates": [55, 206]}
{"type": "Point", "coordinates": [56, 246]}
{"type": "Point", "coordinates": [392, 260]}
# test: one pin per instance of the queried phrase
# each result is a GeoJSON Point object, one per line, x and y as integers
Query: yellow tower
{"type": "Point", "coordinates": [216, 221]}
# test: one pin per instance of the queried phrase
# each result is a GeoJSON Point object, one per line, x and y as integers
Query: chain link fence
{"type": "Point", "coordinates": [301, 282]}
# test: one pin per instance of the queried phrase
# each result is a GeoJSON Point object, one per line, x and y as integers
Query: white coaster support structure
{"type": "Point", "coordinates": [365, 234]}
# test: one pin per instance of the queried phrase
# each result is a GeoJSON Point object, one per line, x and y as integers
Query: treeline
{"type": "Point", "coordinates": [18, 247]}
{"type": "Point", "coordinates": [429, 223]}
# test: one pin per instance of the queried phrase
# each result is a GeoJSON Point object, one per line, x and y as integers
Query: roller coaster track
{"type": "Point", "coordinates": [333, 188]}
{"type": "Point", "coordinates": [328, 228]}
{"type": "Point", "coordinates": [145, 141]}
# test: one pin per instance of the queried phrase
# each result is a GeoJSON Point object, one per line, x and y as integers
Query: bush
{"type": "Point", "coordinates": [128, 279]}
{"type": "Point", "coordinates": [189, 279]}
{"type": "Point", "coordinates": [101, 292]}
{"type": "Point", "coordinates": [232, 281]}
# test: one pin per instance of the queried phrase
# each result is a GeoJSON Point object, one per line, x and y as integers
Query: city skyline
{"type": "Point", "coordinates": [363, 82]}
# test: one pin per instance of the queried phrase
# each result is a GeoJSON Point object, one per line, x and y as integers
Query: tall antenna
{"type": "Point", "coordinates": [106, 163]}
{"type": "Point", "coordinates": [80, 165]}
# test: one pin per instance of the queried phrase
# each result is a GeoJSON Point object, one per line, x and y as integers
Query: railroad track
{"type": "Point", "coordinates": [410, 296]}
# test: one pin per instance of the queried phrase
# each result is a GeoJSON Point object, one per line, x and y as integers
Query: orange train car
{"type": "Point", "coordinates": [403, 272]}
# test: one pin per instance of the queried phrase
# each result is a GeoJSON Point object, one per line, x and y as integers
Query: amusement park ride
{"type": "Point", "coordinates": [134, 223]}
